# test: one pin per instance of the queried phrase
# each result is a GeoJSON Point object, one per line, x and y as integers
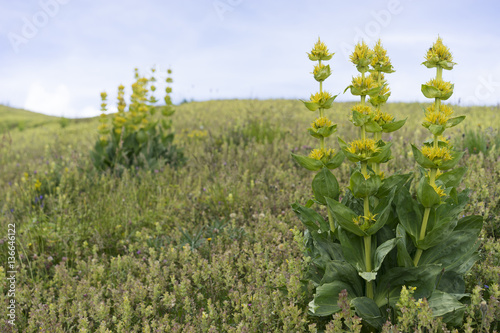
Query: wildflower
{"type": "Point", "coordinates": [281, 247]}
{"type": "Point", "coordinates": [320, 98]}
{"type": "Point", "coordinates": [362, 56]}
{"type": "Point", "coordinates": [444, 86]}
{"type": "Point", "coordinates": [209, 239]}
{"type": "Point", "coordinates": [383, 117]}
{"type": "Point", "coordinates": [439, 55]}
{"type": "Point", "coordinates": [363, 109]}
{"type": "Point", "coordinates": [437, 117]}
{"type": "Point", "coordinates": [321, 122]}
{"type": "Point", "coordinates": [364, 148]}
{"type": "Point", "coordinates": [321, 72]}
{"type": "Point", "coordinates": [380, 61]}
{"type": "Point", "coordinates": [320, 154]}
{"type": "Point", "coordinates": [438, 190]}
{"type": "Point", "coordinates": [437, 154]}
{"type": "Point", "coordinates": [320, 52]}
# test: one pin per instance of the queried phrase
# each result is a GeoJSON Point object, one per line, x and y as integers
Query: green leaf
{"type": "Point", "coordinates": [430, 91]}
{"type": "Point", "coordinates": [393, 126]}
{"type": "Point", "coordinates": [436, 129]}
{"type": "Point", "coordinates": [310, 105]}
{"type": "Point", "coordinates": [452, 178]}
{"type": "Point", "coordinates": [409, 213]}
{"type": "Point", "coordinates": [404, 258]}
{"type": "Point", "coordinates": [422, 159]}
{"type": "Point", "coordinates": [422, 277]}
{"type": "Point", "coordinates": [368, 276]}
{"type": "Point", "coordinates": [382, 252]}
{"type": "Point", "coordinates": [335, 161]}
{"type": "Point", "coordinates": [327, 131]}
{"type": "Point", "coordinates": [437, 231]}
{"type": "Point", "coordinates": [337, 270]}
{"type": "Point", "coordinates": [371, 126]}
{"type": "Point", "coordinates": [328, 104]}
{"type": "Point", "coordinates": [361, 187]}
{"type": "Point", "coordinates": [308, 163]}
{"type": "Point", "coordinates": [447, 307]}
{"type": "Point", "coordinates": [344, 217]}
{"type": "Point", "coordinates": [426, 194]}
{"type": "Point", "coordinates": [312, 220]}
{"type": "Point", "coordinates": [455, 158]}
{"type": "Point", "coordinates": [454, 121]}
{"type": "Point", "coordinates": [353, 249]}
{"type": "Point", "coordinates": [451, 283]}
{"type": "Point", "coordinates": [324, 185]}
{"type": "Point", "coordinates": [384, 154]}
{"type": "Point", "coordinates": [459, 246]}
{"type": "Point", "coordinates": [390, 182]}
{"type": "Point", "coordinates": [359, 119]}
{"type": "Point", "coordinates": [368, 310]}
{"type": "Point", "coordinates": [326, 297]}
{"type": "Point", "coordinates": [382, 212]}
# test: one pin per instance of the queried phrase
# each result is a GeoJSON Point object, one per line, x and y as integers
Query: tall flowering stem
{"type": "Point", "coordinates": [436, 154]}
{"type": "Point", "coordinates": [322, 158]}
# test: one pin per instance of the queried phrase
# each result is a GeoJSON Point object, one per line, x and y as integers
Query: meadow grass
{"type": "Point", "coordinates": [210, 247]}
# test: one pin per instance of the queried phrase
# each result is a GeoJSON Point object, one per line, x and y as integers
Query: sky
{"type": "Point", "coordinates": [56, 56]}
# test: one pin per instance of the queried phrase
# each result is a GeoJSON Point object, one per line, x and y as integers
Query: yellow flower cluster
{"type": "Point", "coordinates": [438, 190]}
{"type": "Point", "coordinates": [439, 51]}
{"type": "Point", "coordinates": [363, 148]}
{"type": "Point", "coordinates": [319, 154]}
{"type": "Point", "coordinates": [320, 97]}
{"type": "Point", "coordinates": [321, 122]}
{"type": "Point", "coordinates": [363, 109]}
{"type": "Point", "coordinates": [438, 117]}
{"type": "Point", "coordinates": [436, 154]}
{"type": "Point", "coordinates": [380, 58]}
{"type": "Point", "coordinates": [320, 52]}
{"type": "Point", "coordinates": [444, 86]}
{"type": "Point", "coordinates": [361, 53]}
{"type": "Point", "coordinates": [383, 117]}
{"type": "Point", "coordinates": [364, 83]}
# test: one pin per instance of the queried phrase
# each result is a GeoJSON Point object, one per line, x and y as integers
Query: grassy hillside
{"type": "Point", "coordinates": [211, 247]}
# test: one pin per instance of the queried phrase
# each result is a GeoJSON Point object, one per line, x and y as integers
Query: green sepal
{"type": "Point", "coordinates": [324, 185]}
{"type": "Point", "coordinates": [454, 121]}
{"type": "Point", "coordinates": [422, 159]}
{"type": "Point", "coordinates": [426, 195]}
{"type": "Point", "coordinates": [335, 161]}
{"type": "Point", "coordinates": [361, 187]}
{"type": "Point", "coordinates": [448, 65]}
{"type": "Point", "coordinates": [311, 106]}
{"type": "Point", "coordinates": [393, 126]}
{"type": "Point", "coordinates": [316, 58]}
{"type": "Point", "coordinates": [308, 162]}
{"type": "Point", "coordinates": [344, 217]}
{"type": "Point", "coordinates": [436, 129]}
{"type": "Point", "coordinates": [455, 158]}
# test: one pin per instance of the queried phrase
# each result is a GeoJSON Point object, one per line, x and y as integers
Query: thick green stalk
{"type": "Point", "coordinates": [367, 239]}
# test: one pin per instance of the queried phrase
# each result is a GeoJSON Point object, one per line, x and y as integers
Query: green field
{"type": "Point", "coordinates": [211, 246]}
